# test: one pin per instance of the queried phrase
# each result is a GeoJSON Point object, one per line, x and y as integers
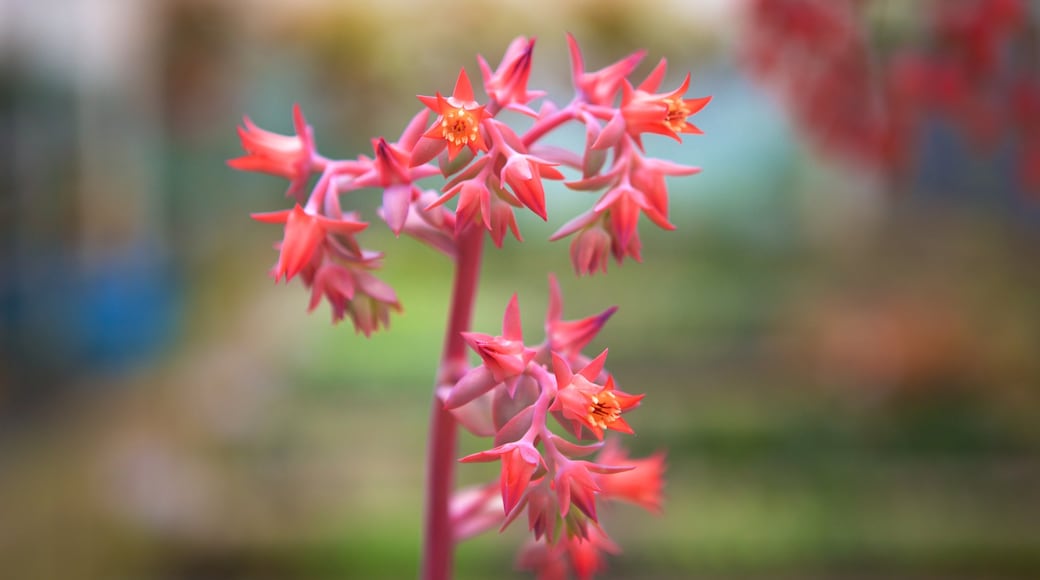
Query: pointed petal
{"type": "Point", "coordinates": [272, 217]}
{"type": "Point", "coordinates": [511, 321]}
{"type": "Point", "coordinates": [463, 89]}
{"type": "Point", "coordinates": [653, 80]}
{"type": "Point", "coordinates": [562, 371]}
{"type": "Point", "coordinates": [555, 310]}
{"type": "Point", "coordinates": [595, 367]}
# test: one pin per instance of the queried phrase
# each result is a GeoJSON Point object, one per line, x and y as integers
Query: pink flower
{"type": "Point", "coordinates": [458, 125]}
{"type": "Point", "coordinates": [586, 554]}
{"type": "Point", "coordinates": [520, 459]}
{"type": "Point", "coordinates": [569, 337]}
{"type": "Point", "coordinates": [505, 356]}
{"type": "Point", "coordinates": [523, 174]}
{"type": "Point", "coordinates": [372, 303]}
{"type": "Point", "coordinates": [640, 485]}
{"type": "Point", "coordinates": [648, 176]}
{"type": "Point", "coordinates": [581, 554]}
{"type": "Point", "coordinates": [304, 233]}
{"type": "Point", "coordinates": [288, 156]}
{"type": "Point", "coordinates": [480, 194]}
{"type": "Point", "coordinates": [352, 291]}
{"type": "Point", "coordinates": [591, 245]}
{"type": "Point", "coordinates": [664, 114]}
{"type": "Point", "coordinates": [391, 169]}
{"type": "Point", "coordinates": [587, 404]}
{"type": "Point", "coordinates": [600, 87]}
{"type": "Point", "coordinates": [575, 485]}
{"type": "Point", "coordinates": [507, 86]}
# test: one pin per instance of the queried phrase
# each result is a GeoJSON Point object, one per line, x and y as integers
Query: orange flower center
{"type": "Point", "coordinates": [459, 126]}
{"type": "Point", "coordinates": [676, 115]}
{"type": "Point", "coordinates": [604, 409]}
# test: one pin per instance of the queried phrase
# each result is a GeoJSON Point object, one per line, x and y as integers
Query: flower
{"type": "Point", "coordinates": [585, 403]}
{"type": "Point", "coordinates": [372, 303]}
{"type": "Point", "coordinates": [647, 175]}
{"type": "Point", "coordinates": [304, 233]}
{"type": "Point", "coordinates": [391, 169]}
{"type": "Point", "coordinates": [575, 485]}
{"type": "Point", "coordinates": [507, 85]}
{"type": "Point", "coordinates": [664, 114]}
{"type": "Point", "coordinates": [600, 87]}
{"type": "Point", "coordinates": [505, 355]}
{"type": "Point", "coordinates": [520, 459]}
{"type": "Point", "coordinates": [458, 125]}
{"type": "Point", "coordinates": [288, 156]}
{"type": "Point", "coordinates": [569, 337]}
{"type": "Point", "coordinates": [640, 485]}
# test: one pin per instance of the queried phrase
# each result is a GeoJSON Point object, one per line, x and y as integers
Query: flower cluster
{"type": "Point", "coordinates": [510, 397]}
{"type": "Point", "coordinates": [868, 102]}
{"type": "Point", "coordinates": [491, 171]}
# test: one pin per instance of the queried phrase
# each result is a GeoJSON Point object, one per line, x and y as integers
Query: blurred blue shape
{"type": "Point", "coordinates": [66, 317]}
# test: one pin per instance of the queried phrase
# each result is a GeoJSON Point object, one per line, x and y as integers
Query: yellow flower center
{"type": "Point", "coordinates": [459, 126]}
{"type": "Point", "coordinates": [604, 409]}
{"type": "Point", "coordinates": [676, 115]}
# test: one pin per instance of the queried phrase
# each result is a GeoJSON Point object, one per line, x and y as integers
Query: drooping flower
{"type": "Point", "coordinates": [373, 301]}
{"type": "Point", "coordinates": [520, 460]}
{"type": "Point", "coordinates": [507, 85]}
{"type": "Point", "coordinates": [288, 156]}
{"type": "Point", "coordinates": [458, 125]}
{"type": "Point", "coordinates": [648, 176]}
{"type": "Point", "coordinates": [576, 486]}
{"type": "Point", "coordinates": [304, 233]}
{"type": "Point", "coordinates": [587, 404]}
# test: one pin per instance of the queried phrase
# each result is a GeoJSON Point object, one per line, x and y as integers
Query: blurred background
{"type": "Point", "coordinates": [838, 344]}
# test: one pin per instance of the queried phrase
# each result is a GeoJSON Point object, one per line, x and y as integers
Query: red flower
{"type": "Point", "coordinates": [458, 125]}
{"type": "Point", "coordinates": [304, 233]}
{"type": "Point", "coordinates": [585, 403]}
{"type": "Point", "coordinates": [288, 156]}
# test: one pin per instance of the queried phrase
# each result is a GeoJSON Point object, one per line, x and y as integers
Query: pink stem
{"type": "Point", "coordinates": [438, 536]}
{"type": "Point", "coordinates": [546, 124]}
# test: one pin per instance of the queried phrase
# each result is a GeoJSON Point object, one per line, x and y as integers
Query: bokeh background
{"type": "Point", "coordinates": [841, 364]}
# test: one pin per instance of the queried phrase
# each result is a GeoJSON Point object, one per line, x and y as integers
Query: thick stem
{"type": "Point", "coordinates": [438, 535]}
